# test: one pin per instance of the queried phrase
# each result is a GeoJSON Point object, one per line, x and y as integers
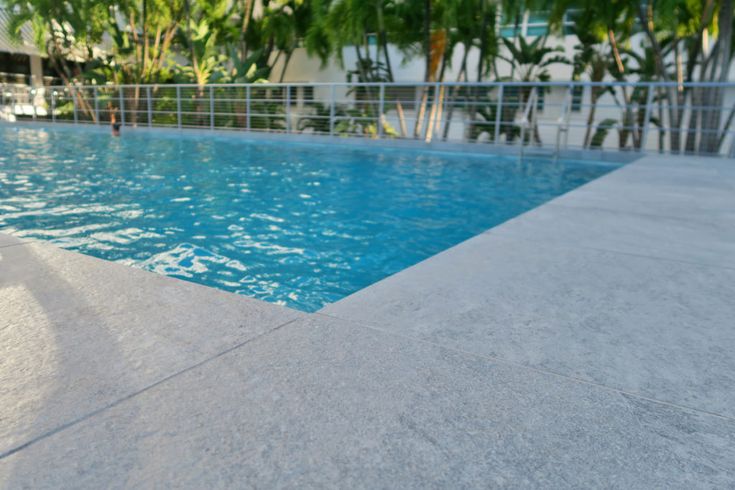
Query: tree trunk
{"type": "Point", "coordinates": [713, 114]}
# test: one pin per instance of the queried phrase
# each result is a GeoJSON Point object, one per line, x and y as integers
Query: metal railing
{"type": "Point", "coordinates": [549, 116]}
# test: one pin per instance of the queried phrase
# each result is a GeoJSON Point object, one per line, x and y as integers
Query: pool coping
{"type": "Point", "coordinates": [408, 310]}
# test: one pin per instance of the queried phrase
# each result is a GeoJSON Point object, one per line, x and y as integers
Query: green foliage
{"type": "Point", "coordinates": [154, 41]}
{"type": "Point", "coordinates": [530, 60]}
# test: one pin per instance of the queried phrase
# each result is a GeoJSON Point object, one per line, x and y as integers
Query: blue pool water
{"type": "Point", "coordinates": [297, 224]}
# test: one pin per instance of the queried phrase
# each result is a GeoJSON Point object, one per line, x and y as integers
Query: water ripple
{"type": "Point", "coordinates": [301, 225]}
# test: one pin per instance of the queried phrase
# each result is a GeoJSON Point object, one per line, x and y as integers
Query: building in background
{"type": "Point", "coordinates": [21, 62]}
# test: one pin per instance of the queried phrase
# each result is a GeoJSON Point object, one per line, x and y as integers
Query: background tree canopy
{"type": "Point", "coordinates": [158, 41]}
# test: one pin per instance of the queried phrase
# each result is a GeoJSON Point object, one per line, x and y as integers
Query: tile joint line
{"type": "Point", "coordinates": [125, 398]}
{"type": "Point", "coordinates": [500, 360]}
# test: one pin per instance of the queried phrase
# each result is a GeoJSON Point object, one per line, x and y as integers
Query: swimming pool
{"type": "Point", "coordinates": [297, 224]}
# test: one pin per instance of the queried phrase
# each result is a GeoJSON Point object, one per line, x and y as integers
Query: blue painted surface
{"type": "Point", "coordinates": [298, 224]}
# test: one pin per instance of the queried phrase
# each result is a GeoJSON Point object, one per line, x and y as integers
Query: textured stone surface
{"type": "Point", "coordinates": [623, 282]}
{"type": "Point", "coordinates": [586, 344]}
{"type": "Point", "coordinates": [321, 403]}
{"type": "Point", "coordinates": [708, 242]}
{"type": "Point", "coordinates": [78, 333]}
{"type": "Point", "coordinates": [674, 188]}
{"type": "Point", "coordinates": [8, 240]}
{"type": "Point", "coordinates": [662, 329]}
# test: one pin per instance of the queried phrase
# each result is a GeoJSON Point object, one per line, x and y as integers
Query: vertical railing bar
{"type": "Point", "coordinates": [649, 103]}
{"type": "Point", "coordinates": [525, 121]}
{"type": "Point", "coordinates": [32, 100]}
{"type": "Point", "coordinates": [74, 103]}
{"type": "Point", "coordinates": [430, 125]}
{"type": "Point", "coordinates": [211, 107]}
{"type": "Point", "coordinates": [569, 115]}
{"type": "Point", "coordinates": [53, 105]}
{"type": "Point", "coordinates": [498, 113]}
{"type": "Point", "coordinates": [150, 105]}
{"type": "Point", "coordinates": [122, 106]}
{"type": "Point", "coordinates": [288, 108]}
{"type": "Point", "coordinates": [178, 106]}
{"type": "Point", "coordinates": [331, 110]}
{"type": "Point", "coordinates": [247, 107]}
{"type": "Point", "coordinates": [381, 110]}
{"type": "Point", "coordinates": [562, 124]}
{"type": "Point", "coordinates": [442, 122]}
{"type": "Point", "coordinates": [96, 106]}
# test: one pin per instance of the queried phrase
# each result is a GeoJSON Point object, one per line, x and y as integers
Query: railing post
{"type": "Point", "coordinates": [498, 113]}
{"type": "Point", "coordinates": [649, 103]}
{"type": "Point", "coordinates": [96, 106]}
{"type": "Point", "coordinates": [562, 121]}
{"type": "Point", "coordinates": [121, 96]}
{"type": "Point", "coordinates": [211, 107]}
{"type": "Point", "coordinates": [32, 99]}
{"type": "Point", "coordinates": [331, 110]}
{"type": "Point", "coordinates": [381, 109]}
{"type": "Point", "coordinates": [247, 107]}
{"type": "Point", "coordinates": [178, 106]}
{"type": "Point", "coordinates": [53, 105]}
{"type": "Point", "coordinates": [74, 103]}
{"type": "Point", "coordinates": [150, 105]}
{"type": "Point", "coordinates": [288, 108]}
{"type": "Point", "coordinates": [525, 121]}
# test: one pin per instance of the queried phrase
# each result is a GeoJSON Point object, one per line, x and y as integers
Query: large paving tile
{"type": "Point", "coordinates": [704, 241]}
{"type": "Point", "coordinates": [319, 404]}
{"type": "Point", "coordinates": [677, 208]}
{"type": "Point", "coordinates": [703, 194]}
{"type": "Point", "coordinates": [78, 333]}
{"type": "Point", "coordinates": [658, 328]}
{"type": "Point", "coordinates": [8, 240]}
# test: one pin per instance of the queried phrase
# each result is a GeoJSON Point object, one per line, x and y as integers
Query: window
{"type": "Point", "coordinates": [568, 23]}
{"type": "Point", "coordinates": [577, 94]}
{"type": "Point", "coordinates": [540, 99]}
{"type": "Point", "coordinates": [530, 24]}
{"type": "Point", "coordinates": [537, 24]}
{"type": "Point", "coordinates": [305, 92]}
{"type": "Point", "coordinates": [534, 24]}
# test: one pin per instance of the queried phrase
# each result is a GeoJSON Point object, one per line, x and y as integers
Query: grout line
{"type": "Point", "coordinates": [16, 244]}
{"type": "Point", "coordinates": [497, 233]}
{"type": "Point", "coordinates": [500, 360]}
{"type": "Point", "coordinates": [125, 398]}
{"type": "Point", "coordinates": [597, 208]}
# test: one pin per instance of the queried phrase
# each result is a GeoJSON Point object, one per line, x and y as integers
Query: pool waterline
{"type": "Point", "coordinates": [292, 223]}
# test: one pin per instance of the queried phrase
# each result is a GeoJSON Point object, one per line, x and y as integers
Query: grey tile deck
{"type": "Point", "coordinates": [586, 344]}
{"type": "Point", "coordinates": [321, 403]}
{"type": "Point", "coordinates": [8, 241]}
{"type": "Point", "coordinates": [78, 333]}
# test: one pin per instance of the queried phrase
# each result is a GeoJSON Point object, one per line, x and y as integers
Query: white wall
{"type": "Point", "coordinates": [303, 68]}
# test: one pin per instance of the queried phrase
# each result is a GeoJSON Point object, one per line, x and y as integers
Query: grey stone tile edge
{"type": "Point", "coordinates": [519, 365]}
{"type": "Point", "coordinates": [354, 325]}
{"type": "Point", "coordinates": [343, 320]}
{"type": "Point", "coordinates": [498, 231]}
{"type": "Point", "coordinates": [105, 263]}
{"type": "Point", "coordinates": [72, 423]}
{"type": "Point", "coordinates": [8, 240]}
